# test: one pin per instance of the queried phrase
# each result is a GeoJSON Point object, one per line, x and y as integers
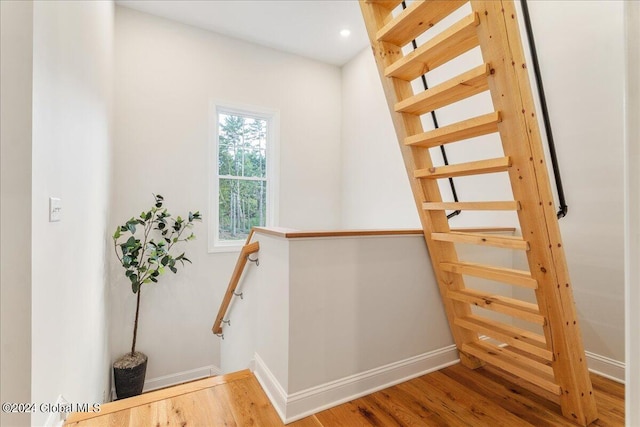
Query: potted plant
{"type": "Point", "coordinates": [145, 259]}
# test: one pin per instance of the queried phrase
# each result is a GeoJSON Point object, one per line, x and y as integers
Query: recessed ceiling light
{"type": "Point", "coordinates": [345, 33]}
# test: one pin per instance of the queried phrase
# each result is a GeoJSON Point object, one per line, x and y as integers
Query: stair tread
{"type": "Point", "coordinates": [478, 167]}
{"type": "Point", "coordinates": [452, 42]}
{"type": "Point", "coordinates": [500, 274]}
{"type": "Point", "coordinates": [506, 205]}
{"type": "Point", "coordinates": [506, 242]}
{"type": "Point", "coordinates": [476, 126]}
{"type": "Point", "coordinates": [528, 369]}
{"type": "Point", "coordinates": [517, 337]}
{"type": "Point", "coordinates": [161, 394]}
{"type": "Point", "coordinates": [460, 87]}
{"type": "Point", "coordinates": [501, 304]}
{"type": "Point", "coordinates": [417, 18]}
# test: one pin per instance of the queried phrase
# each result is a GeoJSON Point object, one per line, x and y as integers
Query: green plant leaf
{"type": "Point", "coordinates": [146, 262]}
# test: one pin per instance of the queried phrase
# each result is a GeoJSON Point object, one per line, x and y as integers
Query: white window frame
{"type": "Point", "coordinates": [273, 154]}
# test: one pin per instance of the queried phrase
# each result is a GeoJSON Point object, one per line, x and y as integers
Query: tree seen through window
{"type": "Point", "coordinates": [242, 175]}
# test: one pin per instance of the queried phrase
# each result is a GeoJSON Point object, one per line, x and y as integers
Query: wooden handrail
{"type": "Point", "coordinates": [247, 250]}
{"type": "Point", "coordinates": [289, 233]}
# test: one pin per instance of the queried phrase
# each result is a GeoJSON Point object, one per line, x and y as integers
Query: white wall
{"type": "Point", "coordinates": [260, 320]}
{"type": "Point", "coordinates": [72, 61]}
{"type": "Point", "coordinates": [166, 74]}
{"type": "Point", "coordinates": [583, 74]}
{"type": "Point", "coordinates": [632, 220]}
{"type": "Point", "coordinates": [583, 77]}
{"type": "Point", "coordinates": [329, 319]}
{"type": "Point", "coordinates": [16, 67]}
{"type": "Point", "coordinates": [375, 188]}
{"type": "Point", "coordinates": [360, 303]}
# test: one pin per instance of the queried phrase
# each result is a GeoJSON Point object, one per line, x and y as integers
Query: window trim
{"type": "Point", "coordinates": [272, 117]}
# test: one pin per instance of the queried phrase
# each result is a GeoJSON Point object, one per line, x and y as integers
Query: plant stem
{"type": "Point", "coordinates": [147, 229]}
{"type": "Point", "coordinates": [116, 250]}
{"type": "Point", "coordinates": [135, 324]}
{"type": "Point", "coordinates": [179, 234]}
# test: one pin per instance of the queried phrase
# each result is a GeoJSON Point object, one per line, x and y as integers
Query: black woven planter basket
{"type": "Point", "coordinates": [130, 381]}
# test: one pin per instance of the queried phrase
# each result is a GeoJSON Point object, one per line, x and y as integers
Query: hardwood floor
{"type": "Point", "coordinates": [454, 396]}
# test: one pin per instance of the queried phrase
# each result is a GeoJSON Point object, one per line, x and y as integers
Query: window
{"type": "Point", "coordinates": [243, 196]}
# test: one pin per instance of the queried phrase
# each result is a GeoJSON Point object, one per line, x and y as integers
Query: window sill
{"type": "Point", "coordinates": [235, 247]}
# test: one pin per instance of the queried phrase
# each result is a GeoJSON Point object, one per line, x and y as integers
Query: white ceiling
{"type": "Point", "coordinates": [309, 28]}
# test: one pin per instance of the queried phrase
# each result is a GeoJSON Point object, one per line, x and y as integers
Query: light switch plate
{"type": "Point", "coordinates": [55, 209]}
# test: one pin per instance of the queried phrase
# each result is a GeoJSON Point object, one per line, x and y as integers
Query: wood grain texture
{"type": "Point", "coordinates": [454, 396]}
{"type": "Point", "coordinates": [476, 167]}
{"type": "Point", "coordinates": [526, 368]}
{"type": "Point", "coordinates": [508, 205]}
{"type": "Point", "coordinates": [417, 18]}
{"type": "Point", "coordinates": [501, 45]}
{"type": "Point", "coordinates": [516, 337]}
{"type": "Point", "coordinates": [505, 242]}
{"type": "Point", "coordinates": [162, 394]}
{"type": "Point", "coordinates": [501, 304]}
{"type": "Point", "coordinates": [452, 42]}
{"type": "Point", "coordinates": [470, 128]}
{"type": "Point", "coordinates": [499, 274]}
{"type": "Point", "coordinates": [460, 87]}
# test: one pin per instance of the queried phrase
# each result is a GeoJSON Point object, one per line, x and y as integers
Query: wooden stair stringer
{"type": "Point", "coordinates": [510, 90]}
{"type": "Point", "coordinates": [405, 125]}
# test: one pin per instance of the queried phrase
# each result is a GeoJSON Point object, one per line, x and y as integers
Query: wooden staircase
{"type": "Point", "coordinates": [554, 361]}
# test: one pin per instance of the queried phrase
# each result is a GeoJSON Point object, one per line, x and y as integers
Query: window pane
{"type": "Point", "coordinates": [242, 146]}
{"type": "Point", "coordinates": [242, 204]}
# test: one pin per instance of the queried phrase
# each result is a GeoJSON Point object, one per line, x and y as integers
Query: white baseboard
{"type": "Point", "coordinates": [292, 407]}
{"type": "Point", "coordinates": [180, 377]}
{"type": "Point", "coordinates": [177, 378]}
{"type": "Point", "coordinates": [606, 367]}
{"type": "Point", "coordinates": [295, 406]}
{"type": "Point", "coordinates": [270, 385]}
